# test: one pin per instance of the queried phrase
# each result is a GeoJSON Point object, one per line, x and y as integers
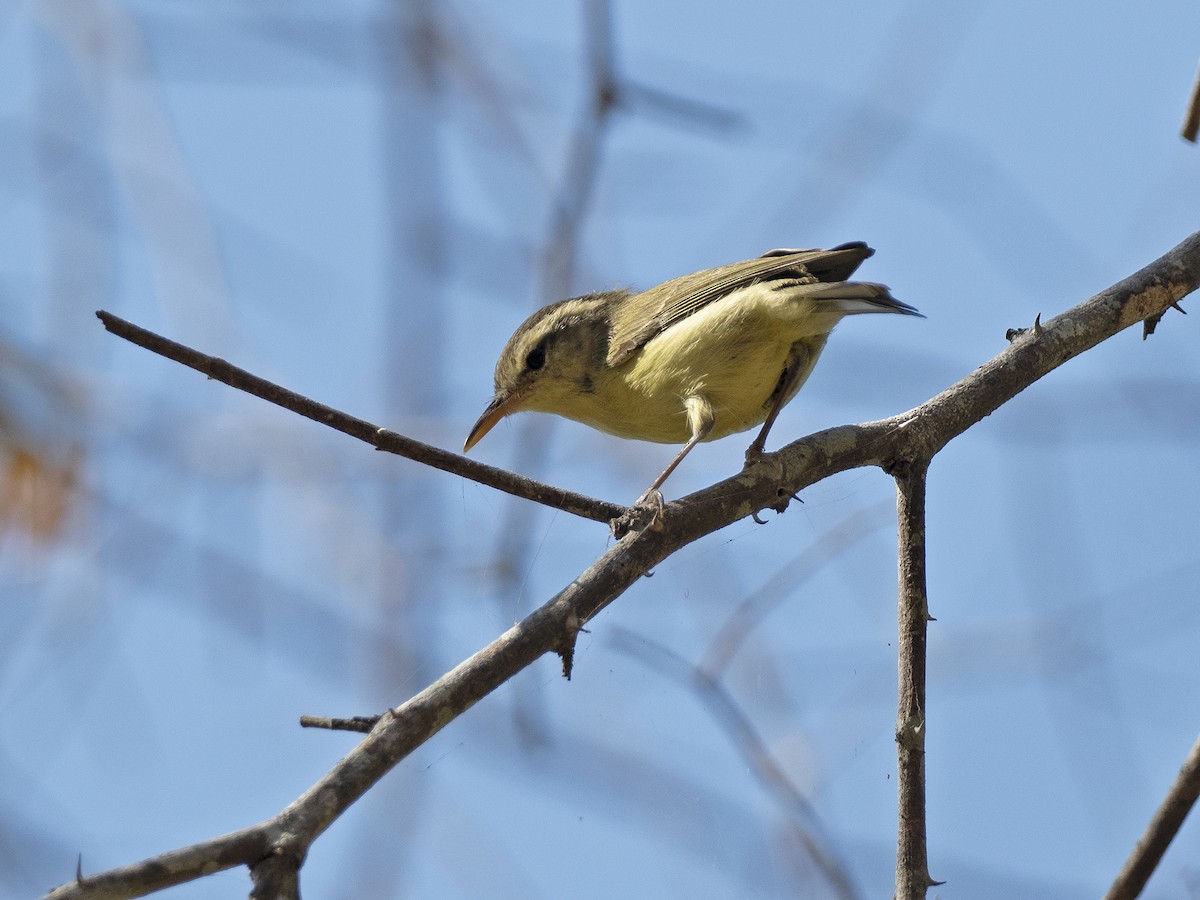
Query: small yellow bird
{"type": "Point", "coordinates": [695, 359]}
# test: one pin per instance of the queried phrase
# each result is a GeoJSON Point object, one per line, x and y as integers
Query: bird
{"type": "Point", "coordinates": [697, 358]}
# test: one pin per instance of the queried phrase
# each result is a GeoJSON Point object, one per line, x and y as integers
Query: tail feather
{"type": "Point", "coordinates": [835, 264]}
{"type": "Point", "coordinates": [853, 297]}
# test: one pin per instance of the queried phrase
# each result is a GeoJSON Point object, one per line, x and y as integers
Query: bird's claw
{"type": "Point", "coordinates": [756, 457]}
{"type": "Point", "coordinates": [646, 512]}
{"type": "Point", "coordinates": [780, 506]}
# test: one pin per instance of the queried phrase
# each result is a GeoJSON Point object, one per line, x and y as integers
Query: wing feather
{"type": "Point", "coordinates": [649, 313]}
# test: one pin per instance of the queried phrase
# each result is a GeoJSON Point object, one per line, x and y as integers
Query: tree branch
{"type": "Point", "coordinates": [380, 438]}
{"type": "Point", "coordinates": [912, 862]}
{"type": "Point", "coordinates": [891, 443]}
{"type": "Point", "coordinates": [246, 847]}
{"type": "Point", "coordinates": [1168, 819]}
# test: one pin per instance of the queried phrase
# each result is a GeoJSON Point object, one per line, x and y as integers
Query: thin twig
{"type": "Point", "coordinates": [380, 438]}
{"type": "Point", "coordinates": [1168, 819]}
{"type": "Point", "coordinates": [1191, 120]}
{"type": "Point", "coordinates": [912, 861]}
{"type": "Point", "coordinates": [686, 111]}
{"type": "Point", "coordinates": [362, 724]}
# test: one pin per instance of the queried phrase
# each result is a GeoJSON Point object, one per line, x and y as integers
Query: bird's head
{"type": "Point", "coordinates": [552, 362]}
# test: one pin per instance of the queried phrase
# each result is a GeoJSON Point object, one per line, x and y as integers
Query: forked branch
{"type": "Point", "coordinates": [906, 440]}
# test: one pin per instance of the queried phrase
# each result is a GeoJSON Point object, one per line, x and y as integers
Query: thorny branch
{"type": "Point", "coordinates": [897, 444]}
{"type": "Point", "coordinates": [912, 859]}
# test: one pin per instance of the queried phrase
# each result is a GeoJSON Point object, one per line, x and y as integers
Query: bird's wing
{"type": "Point", "coordinates": [647, 314]}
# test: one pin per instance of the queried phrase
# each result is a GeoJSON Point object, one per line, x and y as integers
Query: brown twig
{"type": "Point", "coordinates": [245, 847]}
{"type": "Point", "coordinates": [362, 724]}
{"type": "Point", "coordinates": [912, 861]}
{"type": "Point", "coordinates": [1163, 827]}
{"type": "Point", "coordinates": [380, 438]}
{"type": "Point", "coordinates": [1191, 119]}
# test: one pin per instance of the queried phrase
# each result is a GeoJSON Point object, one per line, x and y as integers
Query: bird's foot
{"type": "Point", "coordinates": [775, 472]}
{"type": "Point", "coordinates": [756, 457]}
{"type": "Point", "coordinates": [754, 453]}
{"type": "Point", "coordinates": [646, 512]}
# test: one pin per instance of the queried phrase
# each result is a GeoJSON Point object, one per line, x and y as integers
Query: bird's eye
{"type": "Point", "coordinates": [536, 359]}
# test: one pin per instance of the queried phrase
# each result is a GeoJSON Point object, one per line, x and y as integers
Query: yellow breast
{"type": "Point", "coordinates": [732, 353]}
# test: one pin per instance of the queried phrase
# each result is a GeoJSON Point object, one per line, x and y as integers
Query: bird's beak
{"type": "Point", "coordinates": [501, 406]}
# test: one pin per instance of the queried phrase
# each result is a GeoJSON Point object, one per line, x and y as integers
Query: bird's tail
{"type": "Point", "coordinates": [853, 297]}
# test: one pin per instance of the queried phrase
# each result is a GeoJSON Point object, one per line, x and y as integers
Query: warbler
{"type": "Point", "coordinates": [697, 358]}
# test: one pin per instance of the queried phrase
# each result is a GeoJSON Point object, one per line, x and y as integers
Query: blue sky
{"type": "Point", "coordinates": [264, 185]}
